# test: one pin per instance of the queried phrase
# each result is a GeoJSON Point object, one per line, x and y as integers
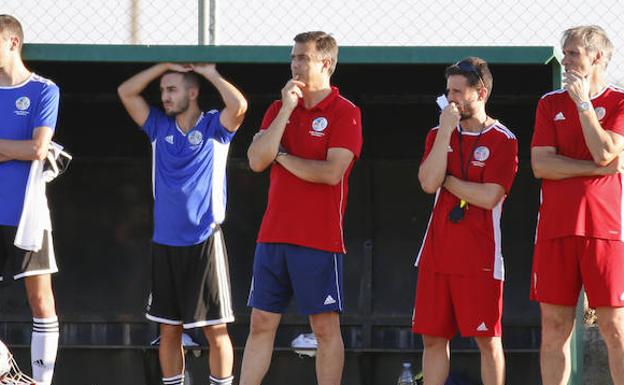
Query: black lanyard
{"type": "Point", "coordinates": [462, 168]}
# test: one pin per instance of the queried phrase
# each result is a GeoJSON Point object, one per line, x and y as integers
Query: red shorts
{"type": "Point", "coordinates": [447, 303]}
{"type": "Point", "coordinates": [562, 265]}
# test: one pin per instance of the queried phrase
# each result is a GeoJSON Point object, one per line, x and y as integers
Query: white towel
{"type": "Point", "coordinates": [35, 217]}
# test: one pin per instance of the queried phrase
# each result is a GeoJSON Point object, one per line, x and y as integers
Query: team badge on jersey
{"type": "Point", "coordinates": [600, 112]}
{"type": "Point", "coordinates": [481, 153]}
{"type": "Point", "coordinates": [22, 105]}
{"type": "Point", "coordinates": [195, 137]}
{"type": "Point", "coordinates": [319, 124]}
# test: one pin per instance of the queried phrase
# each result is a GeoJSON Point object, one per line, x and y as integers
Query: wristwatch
{"type": "Point", "coordinates": [584, 106]}
{"type": "Point", "coordinates": [280, 152]}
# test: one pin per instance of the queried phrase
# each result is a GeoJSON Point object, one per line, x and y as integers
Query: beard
{"type": "Point", "coordinates": [178, 109]}
{"type": "Point", "coordinates": [466, 112]}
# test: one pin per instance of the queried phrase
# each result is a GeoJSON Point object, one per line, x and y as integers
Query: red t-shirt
{"type": "Point", "coordinates": [473, 245]}
{"type": "Point", "coordinates": [580, 206]}
{"type": "Point", "coordinates": [305, 213]}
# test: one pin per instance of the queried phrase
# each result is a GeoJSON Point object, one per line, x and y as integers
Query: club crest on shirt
{"type": "Point", "coordinates": [195, 137]}
{"type": "Point", "coordinates": [318, 126]}
{"type": "Point", "coordinates": [600, 112]}
{"type": "Point", "coordinates": [481, 153]}
{"type": "Point", "coordinates": [22, 104]}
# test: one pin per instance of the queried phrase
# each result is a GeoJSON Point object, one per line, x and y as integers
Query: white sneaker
{"type": "Point", "coordinates": [305, 344]}
{"type": "Point", "coordinates": [187, 341]}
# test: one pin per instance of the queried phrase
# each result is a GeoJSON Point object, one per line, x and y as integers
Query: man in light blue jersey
{"type": "Point", "coordinates": [190, 279]}
{"type": "Point", "coordinates": [28, 112]}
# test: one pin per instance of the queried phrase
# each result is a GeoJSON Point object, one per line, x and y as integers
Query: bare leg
{"type": "Point", "coordinates": [170, 352]}
{"type": "Point", "coordinates": [259, 346]}
{"type": "Point", "coordinates": [492, 360]}
{"type": "Point", "coordinates": [557, 326]}
{"type": "Point", "coordinates": [436, 360]}
{"type": "Point", "coordinates": [611, 324]}
{"type": "Point", "coordinates": [221, 355]}
{"type": "Point", "coordinates": [40, 295]}
{"type": "Point", "coordinates": [330, 353]}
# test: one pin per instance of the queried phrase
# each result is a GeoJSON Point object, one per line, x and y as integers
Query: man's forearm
{"type": "Point", "coordinates": [263, 149]}
{"type": "Point", "coordinates": [315, 171]}
{"type": "Point", "coordinates": [22, 150]}
{"type": "Point", "coordinates": [600, 143]}
{"type": "Point", "coordinates": [484, 195]}
{"type": "Point", "coordinates": [137, 83]}
{"type": "Point", "coordinates": [433, 170]}
{"type": "Point", "coordinates": [556, 167]}
{"type": "Point", "coordinates": [232, 98]}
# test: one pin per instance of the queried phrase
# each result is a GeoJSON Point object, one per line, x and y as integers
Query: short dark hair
{"type": "Point", "coordinates": [11, 25]}
{"type": "Point", "coordinates": [325, 44]}
{"type": "Point", "coordinates": [190, 78]}
{"type": "Point", "coordinates": [475, 70]}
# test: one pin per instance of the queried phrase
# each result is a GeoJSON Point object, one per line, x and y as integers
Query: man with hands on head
{"type": "Point", "coordinates": [470, 162]}
{"type": "Point", "coordinates": [190, 279]}
{"type": "Point", "coordinates": [310, 138]}
{"type": "Point", "coordinates": [577, 153]}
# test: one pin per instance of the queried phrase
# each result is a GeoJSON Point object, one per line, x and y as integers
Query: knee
{"type": "Point", "coordinates": [489, 346]}
{"type": "Point", "coordinates": [41, 304]}
{"type": "Point", "coordinates": [432, 343]}
{"type": "Point", "coordinates": [612, 332]}
{"type": "Point", "coordinates": [262, 323]}
{"type": "Point", "coordinates": [556, 329]}
{"type": "Point", "coordinates": [326, 327]}
{"type": "Point", "coordinates": [217, 335]}
{"type": "Point", "coordinates": [171, 333]}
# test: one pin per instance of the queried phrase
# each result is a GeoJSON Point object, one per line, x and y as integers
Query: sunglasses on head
{"type": "Point", "coordinates": [465, 66]}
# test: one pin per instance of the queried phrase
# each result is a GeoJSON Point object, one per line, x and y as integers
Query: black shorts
{"type": "Point", "coordinates": [16, 263]}
{"type": "Point", "coordinates": [191, 284]}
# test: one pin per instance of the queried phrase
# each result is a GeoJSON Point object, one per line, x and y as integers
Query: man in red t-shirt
{"type": "Point", "coordinates": [470, 162]}
{"type": "Point", "coordinates": [576, 151]}
{"type": "Point", "coordinates": [310, 138]}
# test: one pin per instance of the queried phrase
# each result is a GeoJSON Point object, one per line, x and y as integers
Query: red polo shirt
{"type": "Point", "coordinates": [587, 206]}
{"type": "Point", "coordinates": [304, 213]}
{"type": "Point", "coordinates": [474, 245]}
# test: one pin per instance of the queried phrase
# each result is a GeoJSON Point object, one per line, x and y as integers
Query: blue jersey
{"type": "Point", "coordinates": [188, 172]}
{"type": "Point", "coordinates": [23, 108]}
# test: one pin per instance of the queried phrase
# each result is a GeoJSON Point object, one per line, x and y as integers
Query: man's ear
{"type": "Point", "coordinates": [598, 58]}
{"type": "Point", "coordinates": [483, 93]}
{"type": "Point", "coordinates": [15, 42]}
{"type": "Point", "coordinates": [193, 92]}
{"type": "Point", "coordinates": [327, 63]}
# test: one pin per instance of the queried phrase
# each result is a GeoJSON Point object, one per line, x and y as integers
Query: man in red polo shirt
{"type": "Point", "coordinates": [577, 152]}
{"type": "Point", "coordinates": [470, 162]}
{"type": "Point", "coordinates": [310, 138]}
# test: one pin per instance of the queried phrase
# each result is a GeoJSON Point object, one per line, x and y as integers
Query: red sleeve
{"type": "Point", "coordinates": [616, 121]}
{"type": "Point", "coordinates": [429, 143]}
{"type": "Point", "coordinates": [503, 166]}
{"type": "Point", "coordinates": [270, 114]}
{"type": "Point", "coordinates": [544, 132]}
{"type": "Point", "coordinates": [347, 131]}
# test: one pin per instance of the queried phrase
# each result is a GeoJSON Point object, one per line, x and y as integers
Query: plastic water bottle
{"type": "Point", "coordinates": [407, 376]}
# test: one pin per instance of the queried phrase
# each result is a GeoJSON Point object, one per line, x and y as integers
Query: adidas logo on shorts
{"type": "Point", "coordinates": [482, 327]}
{"type": "Point", "coordinates": [329, 300]}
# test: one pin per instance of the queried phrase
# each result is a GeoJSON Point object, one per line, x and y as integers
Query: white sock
{"type": "Point", "coordinates": [221, 381]}
{"type": "Point", "coordinates": [175, 380]}
{"type": "Point", "coordinates": [43, 347]}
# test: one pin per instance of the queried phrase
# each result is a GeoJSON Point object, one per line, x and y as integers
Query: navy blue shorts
{"type": "Point", "coordinates": [281, 270]}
